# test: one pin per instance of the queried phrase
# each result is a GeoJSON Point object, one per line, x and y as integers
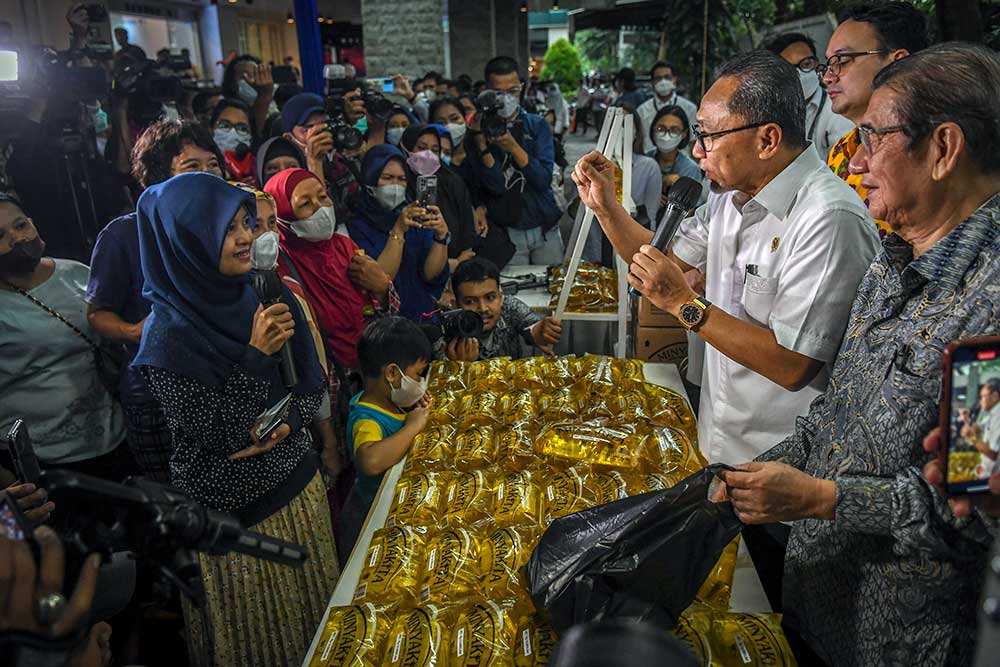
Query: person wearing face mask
{"type": "Point", "coordinates": [395, 125]}
{"type": "Point", "coordinates": [514, 171]}
{"type": "Point", "coordinates": [277, 154]}
{"type": "Point", "coordinates": [250, 82]}
{"type": "Point", "coordinates": [385, 418]}
{"type": "Point", "coordinates": [664, 78]}
{"type": "Point", "coordinates": [409, 241]}
{"type": "Point", "coordinates": [116, 307]}
{"type": "Point", "coordinates": [48, 372]}
{"type": "Point", "coordinates": [343, 285]}
{"type": "Point", "coordinates": [670, 133]}
{"type": "Point", "coordinates": [823, 127]}
{"type": "Point", "coordinates": [421, 144]}
{"type": "Point", "coordinates": [209, 356]}
{"type": "Point", "coordinates": [233, 132]}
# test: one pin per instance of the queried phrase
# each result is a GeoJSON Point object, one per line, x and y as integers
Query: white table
{"type": "Point", "coordinates": [747, 593]}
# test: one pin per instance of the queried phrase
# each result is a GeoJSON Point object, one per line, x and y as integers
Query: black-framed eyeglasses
{"type": "Point", "coordinates": [674, 132]}
{"type": "Point", "coordinates": [837, 63]}
{"type": "Point", "coordinates": [226, 125]}
{"type": "Point", "coordinates": [707, 139]}
{"type": "Point", "coordinates": [808, 64]}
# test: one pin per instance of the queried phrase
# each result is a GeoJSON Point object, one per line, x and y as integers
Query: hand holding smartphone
{"type": "Point", "coordinates": [970, 415]}
{"type": "Point", "coordinates": [23, 453]}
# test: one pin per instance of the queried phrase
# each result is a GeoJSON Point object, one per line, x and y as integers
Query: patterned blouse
{"type": "Point", "coordinates": [840, 156]}
{"type": "Point", "coordinates": [894, 579]}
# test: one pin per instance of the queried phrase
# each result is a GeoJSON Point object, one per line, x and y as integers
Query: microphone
{"type": "Point", "coordinates": [683, 197]}
{"type": "Point", "coordinates": [267, 285]}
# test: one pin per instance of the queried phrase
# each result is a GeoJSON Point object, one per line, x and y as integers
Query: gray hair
{"type": "Point", "coordinates": [769, 92]}
{"type": "Point", "coordinates": [957, 82]}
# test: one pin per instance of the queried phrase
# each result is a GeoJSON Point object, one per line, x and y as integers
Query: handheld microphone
{"type": "Point", "coordinates": [683, 197]}
{"type": "Point", "coordinates": [267, 285]}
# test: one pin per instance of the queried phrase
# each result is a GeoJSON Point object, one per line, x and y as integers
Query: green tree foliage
{"type": "Point", "coordinates": [562, 65]}
{"type": "Point", "coordinates": [598, 49]}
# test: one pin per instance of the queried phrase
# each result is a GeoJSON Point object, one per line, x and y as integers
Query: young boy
{"type": "Point", "coordinates": [510, 329]}
{"type": "Point", "coordinates": [394, 355]}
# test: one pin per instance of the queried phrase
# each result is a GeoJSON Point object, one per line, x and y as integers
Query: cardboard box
{"type": "Point", "coordinates": [662, 344]}
{"type": "Point", "coordinates": [651, 316]}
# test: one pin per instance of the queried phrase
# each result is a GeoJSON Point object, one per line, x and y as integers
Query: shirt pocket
{"type": "Point", "coordinates": [758, 297]}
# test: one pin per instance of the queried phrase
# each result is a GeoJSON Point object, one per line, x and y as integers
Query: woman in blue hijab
{"type": "Point", "coordinates": [409, 241]}
{"type": "Point", "coordinates": [209, 354]}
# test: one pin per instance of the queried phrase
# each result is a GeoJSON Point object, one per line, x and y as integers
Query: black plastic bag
{"type": "Point", "coordinates": [643, 557]}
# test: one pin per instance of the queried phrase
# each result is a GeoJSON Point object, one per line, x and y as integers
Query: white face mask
{"type": "Point", "coordinates": [810, 83]}
{"type": "Point", "coordinates": [264, 251]}
{"type": "Point", "coordinates": [457, 132]}
{"type": "Point", "coordinates": [510, 105]}
{"type": "Point", "coordinates": [319, 226]}
{"type": "Point", "coordinates": [394, 134]}
{"type": "Point", "coordinates": [664, 87]}
{"type": "Point", "coordinates": [390, 196]}
{"type": "Point", "coordinates": [246, 92]}
{"type": "Point", "coordinates": [409, 391]}
{"type": "Point", "coordinates": [228, 140]}
{"type": "Point", "coordinates": [667, 143]}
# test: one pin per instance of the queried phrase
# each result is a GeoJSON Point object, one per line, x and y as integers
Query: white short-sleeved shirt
{"type": "Point", "coordinates": [790, 261]}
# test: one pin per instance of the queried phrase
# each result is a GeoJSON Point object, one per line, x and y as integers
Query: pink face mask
{"type": "Point", "coordinates": [424, 163]}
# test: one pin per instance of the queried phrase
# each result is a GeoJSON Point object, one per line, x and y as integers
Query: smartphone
{"type": "Point", "coordinates": [13, 524]}
{"type": "Point", "coordinates": [269, 420]}
{"type": "Point", "coordinates": [281, 74]}
{"type": "Point", "coordinates": [23, 453]}
{"type": "Point", "coordinates": [383, 85]}
{"type": "Point", "coordinates": [970, 415]}
{"type": "Point", "coordinates": [427, 190]}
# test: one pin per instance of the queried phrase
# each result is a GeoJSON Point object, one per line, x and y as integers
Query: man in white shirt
{"type": "Point", "coordinates": [823, 127]}
{"type": "Point", "coordinates": [664, 79]}
{"type": "Point", "coordinates": [783, 244]}
{"type": "Point", "coordinates": [984, 433]}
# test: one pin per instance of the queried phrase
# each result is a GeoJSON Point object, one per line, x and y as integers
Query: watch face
{"type": "Point", "coordinates": [690, 314]}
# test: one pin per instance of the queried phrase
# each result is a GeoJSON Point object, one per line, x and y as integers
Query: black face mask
{"type": "Point", "coordinates": [22, 258]}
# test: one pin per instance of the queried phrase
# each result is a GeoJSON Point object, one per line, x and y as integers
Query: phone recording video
{"type": "Point", "coordinates": [13, 524]}
{"type": "Point", "coordinates": [971, 415]}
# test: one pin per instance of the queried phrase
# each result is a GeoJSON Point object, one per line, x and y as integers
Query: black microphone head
{"type": "Point", "coordinates": [684, 193]}
{"type": "Point", "coordinates": [267, 284]}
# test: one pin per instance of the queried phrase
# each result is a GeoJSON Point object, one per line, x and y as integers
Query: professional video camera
{"type": "Point", "coordinates": [454, 324]}
{"type": "Point", "coordinates": [492, 124]}
{"type": "Point", "coordinates": [159, 524]}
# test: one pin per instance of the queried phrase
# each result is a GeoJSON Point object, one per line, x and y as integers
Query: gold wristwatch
{"type": "Point", "coordinates": [692, 313]}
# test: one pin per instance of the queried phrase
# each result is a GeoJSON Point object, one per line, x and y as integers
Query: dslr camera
{"type": "Point", "coordinates": [454, 324]}
{"type": "Point", "coordinates": [489, 105]}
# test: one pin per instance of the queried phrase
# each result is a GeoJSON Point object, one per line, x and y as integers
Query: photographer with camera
{"type": "Point", "coordinates": [308, 126]}
{"type": "Point", "coordinates": [512, 153]}
{"type": "Point", "coordinates": [510, 328]}
{"type": "Point", "coordinates": [116, 308]}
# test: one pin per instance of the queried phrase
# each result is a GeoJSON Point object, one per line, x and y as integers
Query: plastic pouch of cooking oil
{"type": "Point", "coordinates": [488, 375]}
{"type": "Point", "coordinates": [668, 450]}
{"type": "Point", "coordinates": [392, 565]}
{"type": "Point", "coordinates": [518, 499]}
{"type": "Point", "coordinates": [484, 634]}
{"type": "Point", "coordinates": [418, 637]}
{"type": "Point", "coordinates": [432, 448]}
{"type": "Point", "coordinates": [480, 408]}
{"type": "Point", "coordinates": [517, 406]}
{"type": "Point", "coordinates": [417, 500]}
{"type": "Point", "coordinates": [722, 639]}
{"type": "Point", "coordinates": [515, 444]}
{"type": "Point", "coordinates": [470, 498]}
{"type": "Point", "coordinates": [505, 552]}
{"type": "Point", "coordinates": [668, 408]}
{"type": "Point", "coordinates": [453, 566]}
{"type": "Point", "coordinates": [613, 485]}
{"type": "Point", "coordinates": [566, 492]}
{"type": "Point", "coordinates": [718, 585]}
{"type": "Point", "coordinates": [475, 448]}
{"type": "Point", "coordinates": [447, 376]}
{"type": "Point", "coordinates": [558, 404]}
{"type": "Point", "coordinates": [536, 641]}
{"type": "Point", "coordinates": [606, 444]}
{"type": "Point", "coordinates": [352, 637]}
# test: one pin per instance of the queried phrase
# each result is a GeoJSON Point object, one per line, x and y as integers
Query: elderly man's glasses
{"type": "Point", "coordinates": [871, 137]}
{"type": "Point", "coordinates": [707, 139]}
{"type": "Point", "coordinates": [837, 63]}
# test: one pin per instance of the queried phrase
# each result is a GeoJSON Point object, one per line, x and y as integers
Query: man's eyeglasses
{"type": "Point", "coordinates": [871, 137]}
{"type": "Point", "coordinates": [837, 63]}
{"type": "Point", "coordinates": [808, 64]}
{"type": "Point", "coordinates": [513, 90]}
{"type": "Point", "coordinates": [707, 139]}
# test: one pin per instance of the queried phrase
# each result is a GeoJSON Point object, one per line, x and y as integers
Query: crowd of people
{"type": "Point", "coordinates": [847, 232]}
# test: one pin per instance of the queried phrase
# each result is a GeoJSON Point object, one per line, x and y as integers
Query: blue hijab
{"type": "Point", "coordinates": [371, 168]}
{"type": "Point", "coordinates": [201, 320]}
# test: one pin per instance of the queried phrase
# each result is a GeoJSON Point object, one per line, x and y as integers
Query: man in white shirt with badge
{"type": "Point", "coordinates": [824, 128]}
{"type": "Point", "coordinates": [783, 244]}
{"type": "Point", "coordinates": [664, 79]}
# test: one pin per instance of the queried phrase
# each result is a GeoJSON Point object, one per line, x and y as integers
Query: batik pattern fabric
{"type": "Point", "coordinates": [838, 160]}
{"type": "Point", "coordinates": [894, 578]}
